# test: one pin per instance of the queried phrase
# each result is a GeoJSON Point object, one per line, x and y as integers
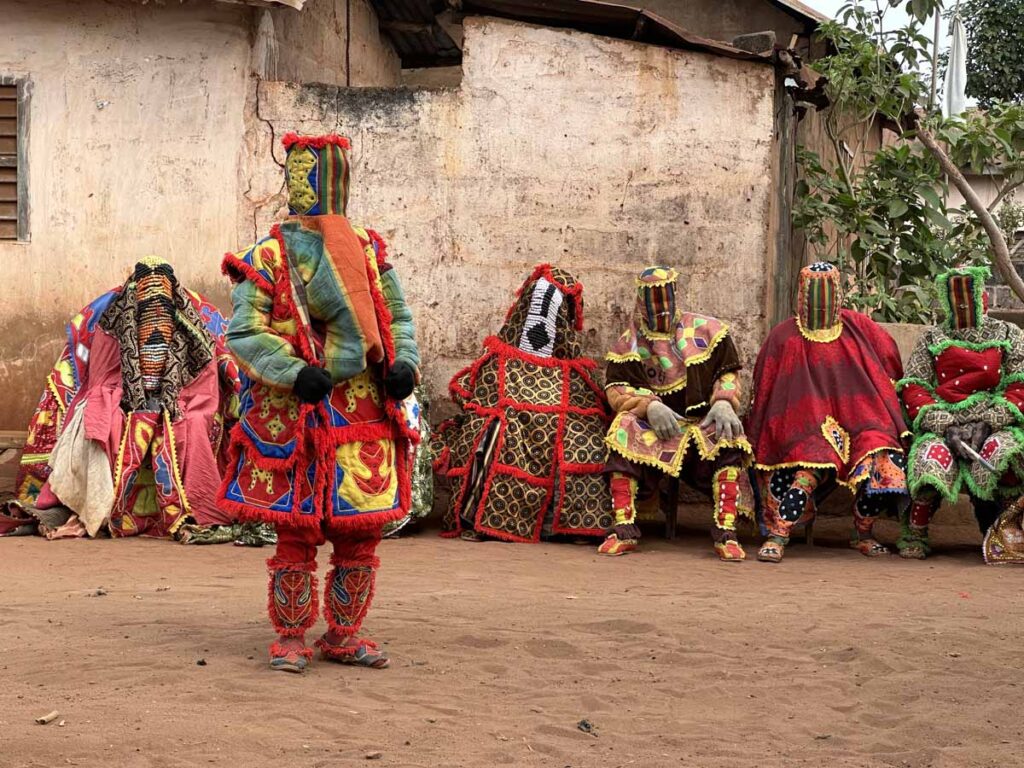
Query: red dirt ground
{"type": "Point", "coordinates": [500, 650]}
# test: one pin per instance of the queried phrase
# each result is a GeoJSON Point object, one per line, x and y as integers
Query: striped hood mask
{"type": "Point", "coordinates": [656, 299]}
{"type": "Point", "coordinates": [317, 174]}
{"type": "Point", "coordinates": [819, 302]}
{"type": "Point", "coordinates": [154, 307]}
{"type": "Point", "coordinates": [962, 295]}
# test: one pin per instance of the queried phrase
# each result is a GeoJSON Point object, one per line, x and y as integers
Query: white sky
{"type": "Point", "coordinates": [894, 16]}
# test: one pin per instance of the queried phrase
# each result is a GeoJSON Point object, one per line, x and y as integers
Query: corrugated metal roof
{"type": "Point", "coordinates": [421, 41]}
{"type": "Point", "coordinates": [801, 9]}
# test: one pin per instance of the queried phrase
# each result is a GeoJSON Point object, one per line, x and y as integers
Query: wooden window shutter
{"type": "Point", "coordinates": [13, 174]}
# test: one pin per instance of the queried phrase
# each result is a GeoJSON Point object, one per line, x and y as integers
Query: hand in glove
{"type": "Point", "coordinates": [663, 420]}
{"type": "Point", "coordinates": [727, 423]}
{"type": "Point", "coordinates": [312, 384]}
{"type": "Point", "coordinates": [400, 380]}
{"type": "Point", "coordinates": [973, 435]}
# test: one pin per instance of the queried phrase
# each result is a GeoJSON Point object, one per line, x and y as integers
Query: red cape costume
{"type": "Point", "coordinates": [839, 404]}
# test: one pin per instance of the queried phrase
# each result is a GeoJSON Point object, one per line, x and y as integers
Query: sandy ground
{"type": "Point", "coordinates": [500, 650]}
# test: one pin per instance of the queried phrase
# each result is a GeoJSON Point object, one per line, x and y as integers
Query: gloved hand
{"type": "Point", "coordinates": [312, 384]}
{"type": "Point", "coordinates": [973, 435]}
{"type": "Point", "coordinates": [727, 423]}
{"type": "Point", "coordinates": [663, 420]}
{"type": "Point", "coordinates": [400, 380]}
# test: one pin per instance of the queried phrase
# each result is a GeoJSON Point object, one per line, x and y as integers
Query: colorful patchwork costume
{"type": "Point", "coordinates": [325, 339]}
{"type": "Point", "coordinates": [673, 384]}
{"type": "Point", "coordinates": [127, 434]}
{"type": "Point", "coordinates": [963, 393]}
{"type": "Point", "coordinates": [526, 457]}
{"type": "Point", "coordinates": [824, 412]}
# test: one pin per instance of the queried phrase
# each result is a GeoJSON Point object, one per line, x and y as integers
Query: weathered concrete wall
{"type": "Point", "coordinates": [599, 155]}
{"type": "Point", "coordinates": [312, 45]}
{"type": "Point", "coordinates": [136, 140]}
{"type": "Point", "coordinates": [135, 127]}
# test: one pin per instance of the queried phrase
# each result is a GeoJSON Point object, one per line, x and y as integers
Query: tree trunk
{"type": "Point", "coordinates": [1000, 251]}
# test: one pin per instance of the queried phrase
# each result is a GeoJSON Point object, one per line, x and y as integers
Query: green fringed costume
{"type": "Point", "coordinates": [964, 386]}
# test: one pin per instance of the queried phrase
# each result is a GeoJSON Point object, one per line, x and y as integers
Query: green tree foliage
{"type": "Point", "coordinates": [881, 214]}
{"type": "Point", "coordinates": [995, 50]}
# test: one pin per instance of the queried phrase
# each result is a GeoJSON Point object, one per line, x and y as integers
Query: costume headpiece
{"type": "Point", "coordinates": [316, 174]}
{"type": "Point", "coordinates": [819, 301]}
{"type": "Point", "coordinates": [547, 314]}
{"type": "Point", "coordinates": [656, 299]}
{"type": "Point", "coordinates": [962, 295]}
{"type": "Point", "coordinates": [154, 306]}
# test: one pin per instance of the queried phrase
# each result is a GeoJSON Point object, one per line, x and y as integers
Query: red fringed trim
{"type": "Point", "coordinates": [249, 514]}
{"type": "Point", "coordinates": [282, 292]}
{"type": "Point", "coordinates": [384, 318]}
{"type": "Point", "coordinates": [348, 562]}
{"type": "Point", "coordinates": [381, 249]}
{"type": "Point", "coordinates": [501, 349]}
{"type": "Point", "coordinates": [277, 564]}
{"type": "Point", "coordinates": [520, 474]}
{"type": "Point", "coordinates": [237, 270]}
{"type": "Point", "coordinates": [292, 139]}
{"type": "Point", "coordinates": [239, 440]}
{"type": "Point", "coordinates": [457, 390]}
{"type": "Point", "coordinates": [575, 293]}
{"type": "Point", "coordinates": [278, 651]}
{"type": "Point", "coordinates": [326, 439]}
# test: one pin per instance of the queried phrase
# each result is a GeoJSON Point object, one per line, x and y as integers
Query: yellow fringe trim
{"type": "Point", "coordinates": [187, 507]}
{"type": "Point", "coordinates": [671, 277]}
{"type": "Point", "coordinates": [692, 434]}
{"type": "Point", "coordinates": [815, 465]}
{"type": "Point", "coordinates": [823, 336]}
{"type": "Point", "coordinates": [34, 458]}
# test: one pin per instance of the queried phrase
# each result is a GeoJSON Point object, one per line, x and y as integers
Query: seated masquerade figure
{"type": "Point", "coordinates": [824, 411]}
{"type": "Point", "coordinates": [325, 338]}
{"type": "Point", "coordinates": [526, 456]}
{"type": "Point", "coordinates": [127, 434]}
{"type": "Point", "coordinates": [963, 393]}
{"type": "Point", "coordinates": [673, 384]}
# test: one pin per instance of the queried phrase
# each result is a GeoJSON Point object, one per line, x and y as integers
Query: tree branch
{"type": "Point", "coordinates": [1000, 252]}
{"type": "Point", "coordinates": [1003, 193]}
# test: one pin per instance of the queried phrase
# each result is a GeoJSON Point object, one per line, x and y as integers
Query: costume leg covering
{"type": "Point", "coordinates": [789, 493]}
{"type": "Point", "coordinates": [913, 543]}
{"type": "Point", "coordinates": [350, 583]}
{"type": "Point", "coordinates": [726, 490]}
{"type": "Point", "coordinates": [625, 536]}
{"type": "Point", "coordinates": [292, 590]}
{"type": "Point", "coordinates": [347, 598]}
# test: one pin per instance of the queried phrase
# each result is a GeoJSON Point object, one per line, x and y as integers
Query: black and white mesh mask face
{"type": "Point", "coordinates": [538, 337]}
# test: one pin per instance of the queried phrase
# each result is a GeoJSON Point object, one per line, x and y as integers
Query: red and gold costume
{"type": "Point", "coordinates": [321, 451]}
{"type": "Point", "coordinates": [825, 411]}
{"type": "Point", "coordinates": [687, 362]}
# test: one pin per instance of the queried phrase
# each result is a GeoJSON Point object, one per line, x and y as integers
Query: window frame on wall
{"type": "Point", "coordinates": [14, 156]}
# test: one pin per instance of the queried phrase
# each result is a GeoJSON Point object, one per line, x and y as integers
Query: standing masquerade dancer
{"type": "Point", "coordinates": [322, 332]}
{"type": "Point", "coordinates": [673, 384]}
{"type": "Point", "coordinates": [824, 411]}
{"type": "Point", "coordinates": [526, 456]}
{"type": "Point", "coordinates": [963, 394]}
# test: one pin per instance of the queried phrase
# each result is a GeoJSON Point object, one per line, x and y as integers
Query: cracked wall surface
{"type": "Point", "coordinates": [137, 127]}
{"type": "Point", "coordinates": [599, 155]}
